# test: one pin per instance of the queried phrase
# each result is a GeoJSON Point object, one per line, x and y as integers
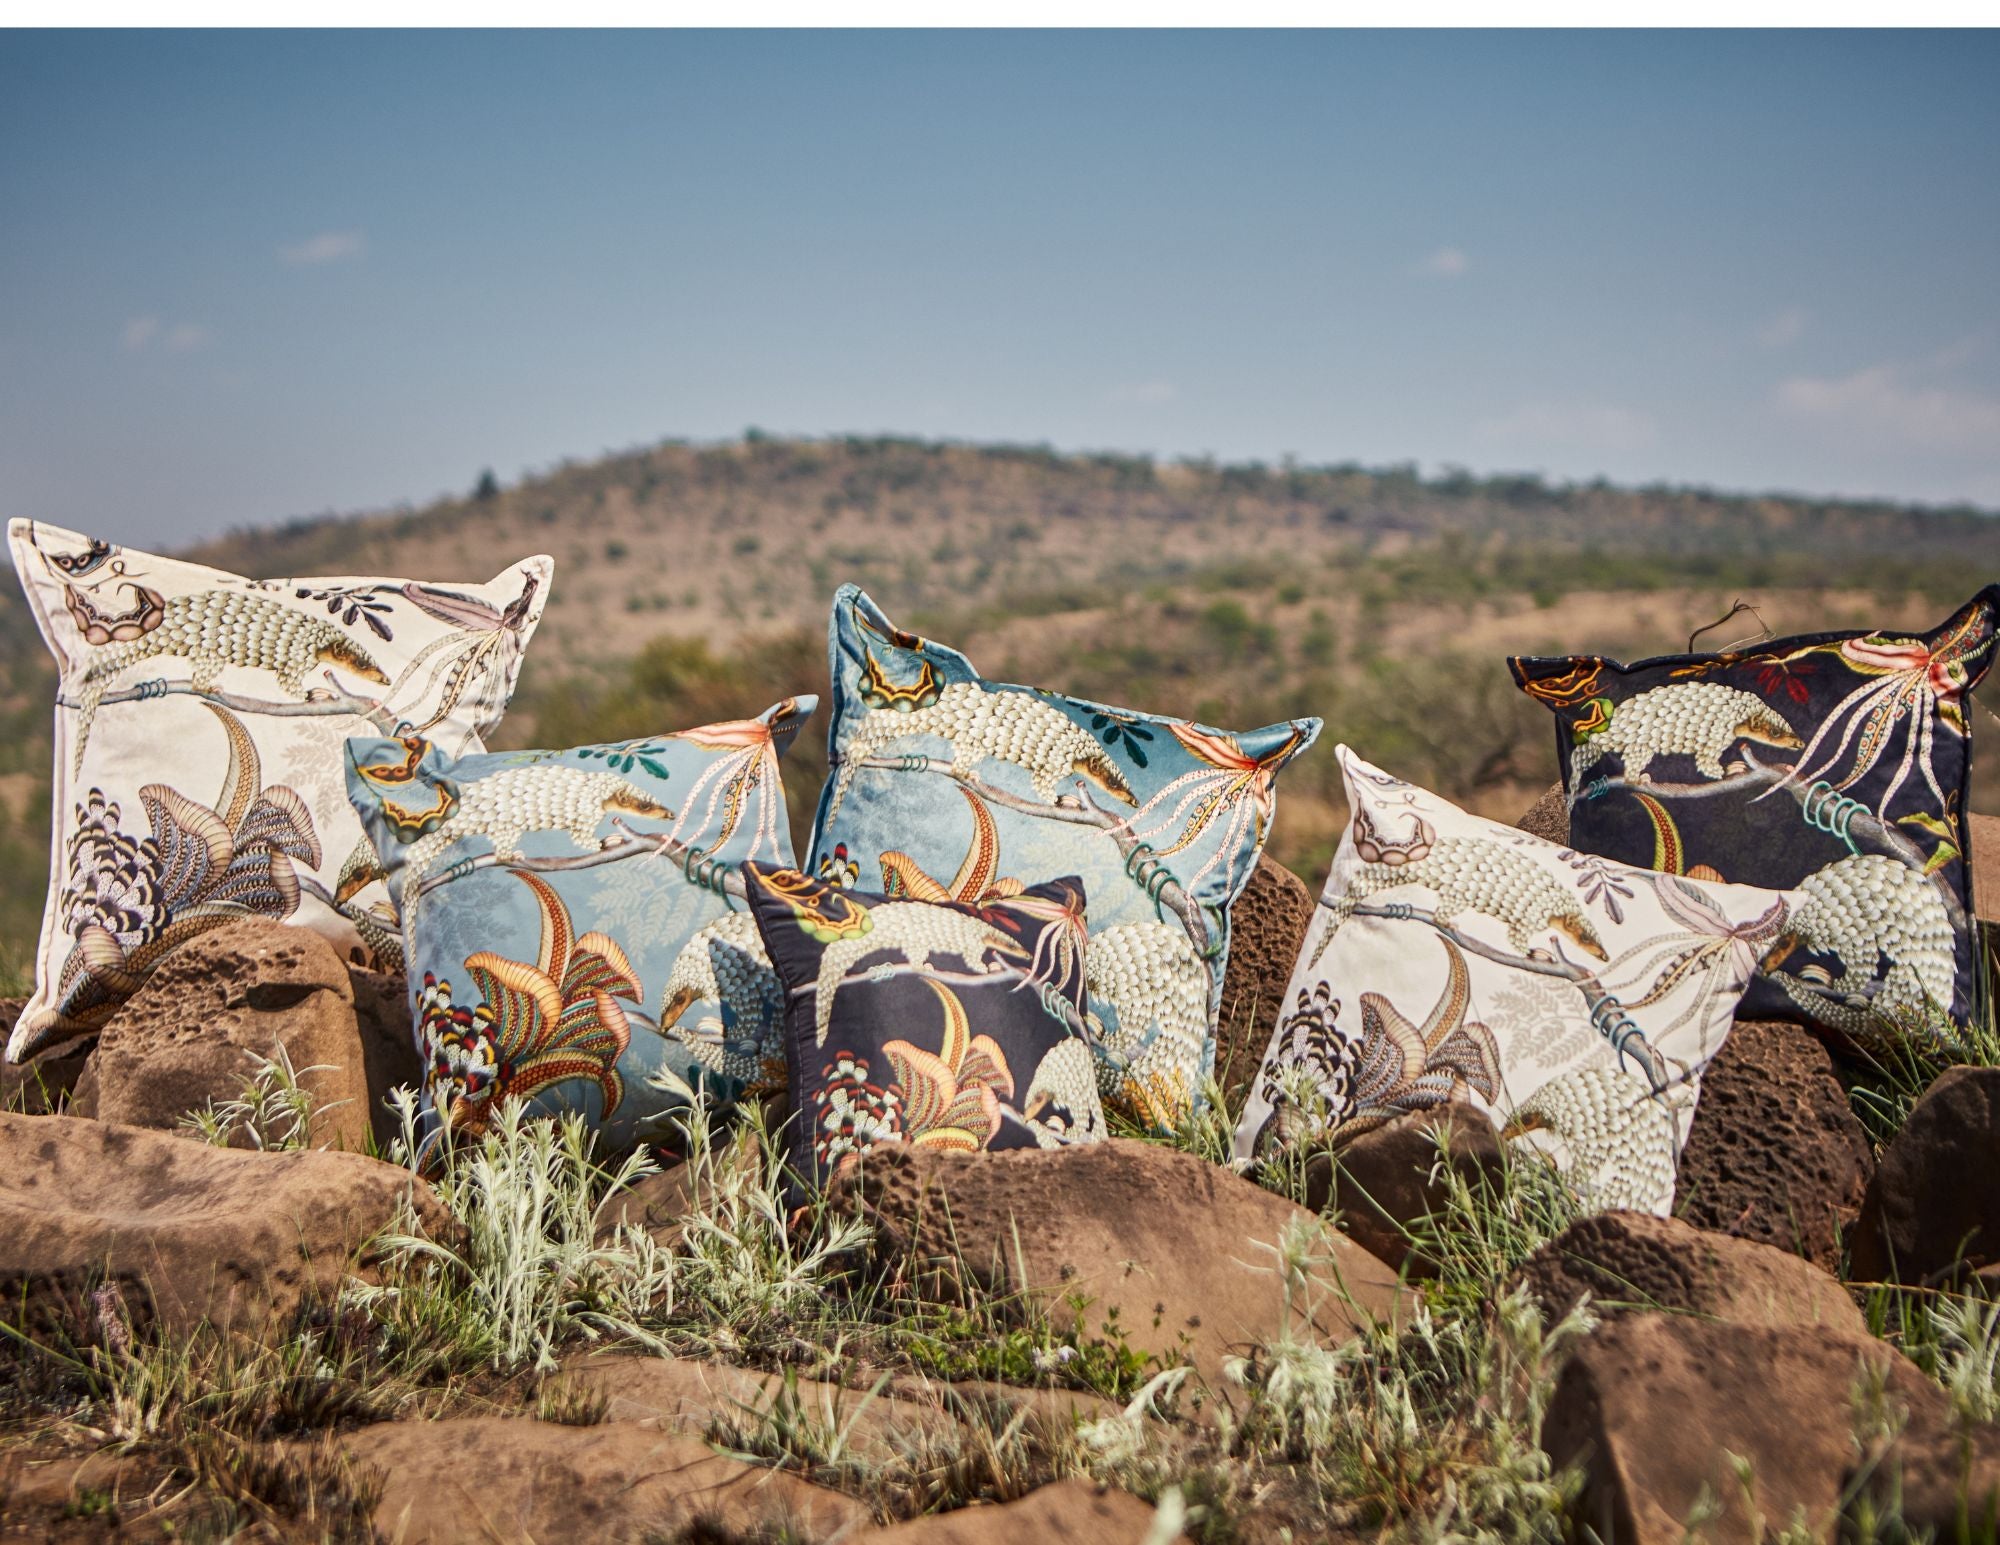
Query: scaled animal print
{"type": "Point", "coordinates": [1837, 764]}
{"type": "Point", "coordinates": [936, 1024]}
{"type": "Point", "coordinates": [949, 787]}
{"type": "Point", "coordinates": [199, 719]}
{"type": "Point", "coordinates": [575, 921]}
{"type": "Point", "coordinates": [1451, 960]}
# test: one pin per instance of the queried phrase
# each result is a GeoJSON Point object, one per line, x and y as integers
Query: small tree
{"type": "Point", "coordinates": [487, 488]}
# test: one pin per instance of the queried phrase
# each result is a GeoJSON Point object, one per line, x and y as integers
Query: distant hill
{"type": "Point", "coordinates": [692, 583]}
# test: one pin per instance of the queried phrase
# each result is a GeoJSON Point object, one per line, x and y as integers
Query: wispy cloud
{"type": "Point", "coordinates": [1145, 392]}
{"type": "Point", "coordinates": [149, 332]}
{"type": "Point", "coordinates": [1585, 425]}
{"type": "Point", "coordinates": [1445, 263]}
{"type": "Point", "coordinates": [326, 247]}
{"type": "Point", "coordinates": [1900, 403]}
{"type": "Point", "coordinates": [1785, 328]}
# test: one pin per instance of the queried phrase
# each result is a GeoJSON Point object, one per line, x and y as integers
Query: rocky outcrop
{"type": "Point", "coordinates": [679, 1394]}
{"type": "Point", "coordinates": [1774, 1153]}
{"type": "Point", "coordinates": [388, 1048]}
{"type": "Point", "coordinates": [1388, 1179]}
{"type": "Point", "coordinates": [1626, 1261]}
{"type": "Point", "coordinates": [1267, 929]}
{"type": "Point", "coordinates": [1182, 1249]}
{"type": "Point", "coordinates": [182, 1231]}
{"type": "Point", "coordinates": [1934, 1204]}
{"type": "Point", "coordinates": [509, 1479]}
{"type": "Point", "coordinates": [192, 1033]}
{"type": "Point", "coordinates": [1065, 1513]}
{"type": "Point", "coordinates": [1660, 1409]}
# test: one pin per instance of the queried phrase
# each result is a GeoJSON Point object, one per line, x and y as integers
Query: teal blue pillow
{"type": "Point", "coordinates": [948, 787]}
{"type": "Point", "coordinates": [574, 923]}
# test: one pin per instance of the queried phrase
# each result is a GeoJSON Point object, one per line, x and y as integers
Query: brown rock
{"type": "Point", "coordinates": [40, 1085]}
{"type": "Point", "coordinates": [1065, 1513]}
{"type": "Point", "coordinates": [1983, 838]}
{"type": "Point", "coordinates": [1267, 929]}
{"type": "Point", "coordinates": [388, 1044]}
{"type": "Point", "coordinates": [1633, 1260]}
{"type": "Point", "coordinates": [677, 1394]}
{"type": "Point", "coordinates": [656, 1203]}
{"type": "Point", "coordinates": [1178, 1247]}
{"type": "Point", "coordinates": [1387, 1179]}
{"type": "Point", "coordinates": [507, 1479]}
{"type": "Point", "coordinates": [1934, 1203]}
{"type": "Point", "coordinates": [1548, 817]}
{"type": "Point", "coordinates": [1652, 1406]}
{"type": "Point", "coordinates": [224, 998]}
{"type": "Point", "coordinates": [1774, 1153]}
{"type": "Point", "coordinates": [186, 1231]}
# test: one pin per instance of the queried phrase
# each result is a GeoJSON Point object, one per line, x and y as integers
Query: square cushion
{"type": "Point", "coordinates": [1836, 763]}
{"type": "Point", "coordinates": [937, 1024]}
{"type": "Point", "coordinates": [946, 786]}
{"type": "Point", "coordinates": [574, 919]}
{"type": "Point", "coordinates": [199, 720]}
{"type": "Point", "coordinates": [1572, 1000]}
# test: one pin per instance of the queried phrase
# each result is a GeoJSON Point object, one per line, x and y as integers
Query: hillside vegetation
{"type": "Point", "coordinates": [692, 583]}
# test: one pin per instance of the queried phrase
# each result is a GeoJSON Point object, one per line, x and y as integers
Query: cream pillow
{"type": "Point", "coordinates": [1572, 1000]}
{"type": "Point", "coordinates": [200, 721]}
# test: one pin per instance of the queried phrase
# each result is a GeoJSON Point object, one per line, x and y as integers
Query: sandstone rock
{"type": "Point", "coordinates": [1548, 817]}
{"type": "Point", "coordinates": [507, 1479]}
{"type": "Point", "coordinates": [50, 1493]}
{"type": "Point", "coordinates": [1387, 1179]}
{"type": "Point", "coordinates": [687, 1395]}
{"type": "Point", "coordinates": [656, 1203]}
{"type": "Point", "coordinates": [1633, 1260]}
{"type": "Point", "coordinates": [1935, 1200]}
{"type": "Point", "coordinates": [222, 999]}
{"type": "Point", "coordinates": [1178, 1247]}
{"type": "Point", "coordinates": [1064, 1513]}
{"type": "Point", "coordinates": [1984, 840]}
{"type": "Point", "coordinates": [388, 1044]}
{"type": "Point", "coordinates": [185, 1231]}
{"type": "Point", "coordinates": [41, 1085]}
{"type": "Point", "coordinates": [1267, 928]}
{"type": "Point", "coordinates": [1774, 1153]}
{"type": "Point", "coordinates": [1653, 1406]}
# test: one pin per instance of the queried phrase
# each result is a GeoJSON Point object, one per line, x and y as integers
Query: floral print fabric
{"type": "Point", "coordinates": [199, 720]}
{"type": "Point", "coordinates": [947, 1025]}
{"type": "Point", "coordinates": [948, 787]}
{"type": "Point", "coordinates": [1572, 1000]}
{"type": "Point", "coordinates": [574, 919]}
{"type": "Point", "coordinates": [1836, 763]}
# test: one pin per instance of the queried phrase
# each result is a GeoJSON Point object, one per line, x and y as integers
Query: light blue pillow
{"type": "Point", "coordinates": [573, 921]}
{"type": "Point", "coordinates": [946, 786]}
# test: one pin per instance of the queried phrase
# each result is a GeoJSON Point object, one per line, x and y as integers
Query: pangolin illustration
{"type": "Point", "coordinates": [1867, 909]}
{"type": "Point", "coordinates": [982, 725]}
{"type": "Point", "coordinates": [217, 629]}
{"type": "Point", "coordinates": [920, 934]}
{"type": "Point", "coordinates": [1690, 718]}
{"type": "Point", "coordinates": [724, 963]}
{"type": "Point", "coordinates": [1475, 874]}
{"type": "Point", "coordinates": [517, 800]}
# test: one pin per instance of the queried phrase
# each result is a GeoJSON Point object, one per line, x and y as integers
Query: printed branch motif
{"type": "Point", "coordinates": [1605, 1010]}
{"type": "Point", "coordinates": [1836, 814]}
{"type": "Point", "coordinates": [319, 703]}
{"type": "Point", "coordinates": [632, 844]}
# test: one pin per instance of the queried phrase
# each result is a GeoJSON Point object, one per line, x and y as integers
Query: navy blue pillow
{"type": "Point", "coordinates": [942, 1025]}
{"type": "Point", "coordinates": [1836, 764]}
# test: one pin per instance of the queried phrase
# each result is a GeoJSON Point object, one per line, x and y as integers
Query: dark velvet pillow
{"type": "Point", "coordinates": [1836, 764]}
{"type": "Point", "coordinates": [938, 1024]}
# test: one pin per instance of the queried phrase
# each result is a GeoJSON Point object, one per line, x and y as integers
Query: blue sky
{"type": "Point", "coordinates": [248, 276]}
